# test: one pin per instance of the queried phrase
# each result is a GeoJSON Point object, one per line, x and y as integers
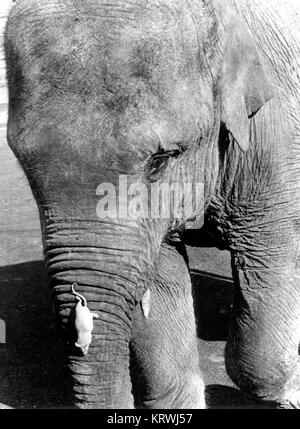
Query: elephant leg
{"type": "Point", "coordinates": [164, 356]}
{"type": "Point", "coordinates": [262, 350]}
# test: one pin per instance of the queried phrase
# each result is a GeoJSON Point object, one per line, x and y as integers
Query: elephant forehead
{"type": "Point", "coordinates": [119, 45]}
{"type": "Point", "coordinates": [153, 84]}
{"type": "Point", "coordinates": [120, 74]}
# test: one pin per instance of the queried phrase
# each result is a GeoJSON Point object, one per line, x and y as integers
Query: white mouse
{"type": "Point", "coordinates": [83, 322]}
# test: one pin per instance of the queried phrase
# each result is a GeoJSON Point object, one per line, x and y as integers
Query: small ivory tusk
{"type": "Point", "coordinates": [145, 303]}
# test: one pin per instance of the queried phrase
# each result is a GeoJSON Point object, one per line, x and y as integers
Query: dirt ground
{"type": "Point", "coordinates": [32, 371]}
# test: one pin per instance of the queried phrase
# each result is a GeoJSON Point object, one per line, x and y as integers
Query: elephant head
{"type": "Point", "coordinates": [101, 91]}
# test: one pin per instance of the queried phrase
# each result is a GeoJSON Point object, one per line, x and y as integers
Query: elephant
{"type": "Point", "coordinates": [162, 92]}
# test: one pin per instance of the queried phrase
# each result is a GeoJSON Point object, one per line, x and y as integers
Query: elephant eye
{"type": "Point", "coordinates": [158, 163]}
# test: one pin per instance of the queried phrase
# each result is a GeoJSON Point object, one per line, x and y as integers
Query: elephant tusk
{"type": "Point", "coordinates": [145, 303]}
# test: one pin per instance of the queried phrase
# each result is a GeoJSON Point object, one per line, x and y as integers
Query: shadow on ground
{"type": "Point", "coordinates": [32, 370]}
{"type": "Point", "coordinates": [213, 297]}
{"type": "Point", "coordinates": [224, 397]}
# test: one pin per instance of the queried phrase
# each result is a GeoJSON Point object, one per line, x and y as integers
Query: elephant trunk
{"type": "Point", "coordinates": [101, 378]}
{"type": "Point", "coordinates": [111, 266]}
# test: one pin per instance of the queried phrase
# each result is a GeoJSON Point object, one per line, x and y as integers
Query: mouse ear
{"type": "Point", "coordinates": [245, 87]}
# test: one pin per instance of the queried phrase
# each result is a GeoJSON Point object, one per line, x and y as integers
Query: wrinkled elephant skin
{"type": "Point", "coordinates": [162, 92]}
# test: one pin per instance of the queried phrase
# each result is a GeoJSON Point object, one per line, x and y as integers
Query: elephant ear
{"type": "Point", "coordinates": [245, 87]}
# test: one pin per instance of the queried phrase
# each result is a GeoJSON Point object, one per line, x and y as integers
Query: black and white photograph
{"type": "Point", "coordinates": [149, 207]}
